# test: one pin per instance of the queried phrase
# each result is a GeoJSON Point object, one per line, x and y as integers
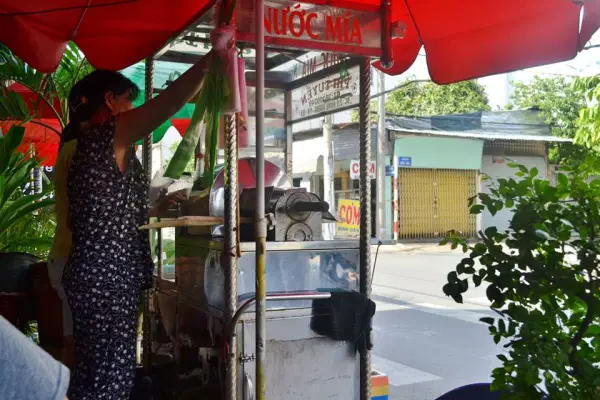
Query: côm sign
{"type": "Point", "coordinates": [348, 218]}
{"type": "Point", "coordinates": [355, 170]}
{"type": "Point", "coordinates": [311, 26]}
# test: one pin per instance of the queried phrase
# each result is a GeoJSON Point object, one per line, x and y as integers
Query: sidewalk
{"type": "Point", "coordinates": [416, 247]}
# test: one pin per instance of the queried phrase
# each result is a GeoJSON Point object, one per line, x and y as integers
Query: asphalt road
{"type": "Point", "coordinates": [425, 342]}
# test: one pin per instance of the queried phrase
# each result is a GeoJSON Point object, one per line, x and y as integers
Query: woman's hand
{"type": "Point", "coordinates": [165, 202]}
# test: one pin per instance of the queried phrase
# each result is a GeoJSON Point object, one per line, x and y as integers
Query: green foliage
{"type": "Point", "coordinates": [23, 224]}
{"type": "Point", "coordinates": [51, 89]}
{"type": "Point", "coordinates": [415, 98]}
{"type": "Point", "coordinates": [559, 101]}
{"type": "Point", "coordinates": [431, 99]}
{"type": "Point", "coordinates": [542, 277]}
{"type": "Point", "coordinates": [588, 124]}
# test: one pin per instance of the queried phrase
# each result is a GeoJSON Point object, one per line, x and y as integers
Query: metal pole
{"type": "Point", "coordinates": [230, 262]}
{"type": "Point", "coordinates": [328, 233]}
{"type": "Point", "coordinates": [289, 147]}
{"type": "Point", "coordinates": [395, 194]}
{"type": "Point", "coordinates": [365, 211]}
{"type": "Point", "coordinates": [380, 182]}
{"type": "Point", "coordinates": [147, 160]}
{"type": "Point", "coordinates": [261, 228]}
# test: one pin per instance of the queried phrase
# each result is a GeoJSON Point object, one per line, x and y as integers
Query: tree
{"type": "Point", "coordinates": [559, 102]}
{"type": "Point", "coordinates": [542, 277]}
{"type": "Point", "coordinates": [430, 99]}
{"type": "Point", "coordinates": [417, 98]}
{"type": "Point", "coordinates": [588, 123]}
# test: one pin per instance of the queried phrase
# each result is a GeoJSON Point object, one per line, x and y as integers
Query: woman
{"type": "Point", "coordinates": [61, 246]}
{"type": "Point", "coordinates": [110, 260]}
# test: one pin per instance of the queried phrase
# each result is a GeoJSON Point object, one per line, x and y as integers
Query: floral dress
{"type": "Point", "coordinates": [110, 264]}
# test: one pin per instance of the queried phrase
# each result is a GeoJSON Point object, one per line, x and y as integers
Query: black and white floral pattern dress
{"type": "Point", "coordinates": [110, 264]}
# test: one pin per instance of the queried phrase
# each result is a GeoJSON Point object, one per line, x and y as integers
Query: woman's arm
{"type": "Point", "coordinates": [133, 125]}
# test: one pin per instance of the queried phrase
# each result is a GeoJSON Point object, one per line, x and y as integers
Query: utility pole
{"type": "Point", "coordinates": [328, 192]}
{"type": "Point", "coordinates": [380, 221]}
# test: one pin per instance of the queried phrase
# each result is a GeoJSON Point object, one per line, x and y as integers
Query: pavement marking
{"type": "Point", "coordinates": [400, 374]}
{"type": "Point", "coordinates": [450, 310]}
{"type": "Point", "coordinates": [385, 306]}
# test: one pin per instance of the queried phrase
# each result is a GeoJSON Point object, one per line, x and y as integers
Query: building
{"type": "Point", "coordinates": [434, 166]}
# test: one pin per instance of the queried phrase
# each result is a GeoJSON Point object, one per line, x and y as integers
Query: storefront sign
{"type": "Point", "coordinates": [355, 170]}
{"type": "Point", "coordinates": [310, 63]}
{"type": "Point", "coordinates": [310, 26]}
{"type": "Point", "coordinates": [327, 95]}
{"type": "Point", "coordinates": [348, 218]}
{"type": "Point", "coordinates": [404, 161]}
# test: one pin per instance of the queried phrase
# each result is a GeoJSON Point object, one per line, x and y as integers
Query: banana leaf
{"type": "Point", "coordinates": [212, 97]}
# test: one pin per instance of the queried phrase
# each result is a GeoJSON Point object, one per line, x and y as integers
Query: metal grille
{"type": "Point", "coordinates": [515, 147]}
{"type": "Point", "coordinates": [434, 201]}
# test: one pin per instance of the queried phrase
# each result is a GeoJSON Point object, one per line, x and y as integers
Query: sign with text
{"type": "Point", "coordinates": [311, 26]}
{"type": "Point", "coordinates": [404, 161]}
{"type": "Point", "coordinates": [310, 63]}
{"type": "Point", "coordinates": [348, 218]}
{"type": "Point", "coordinates": [389, 170]}
{"type": "Point", "coordinates": [355, 170]}
{"type": "Point", "coordinates": [327, 95]}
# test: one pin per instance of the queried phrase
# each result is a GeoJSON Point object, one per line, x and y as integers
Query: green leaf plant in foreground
{"type": "Point", "coordinates": [542, 278]}
{"type": "Point", "coordinates": [16, 206]}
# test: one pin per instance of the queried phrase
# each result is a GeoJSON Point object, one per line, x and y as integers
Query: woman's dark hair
{"type": "Point", "coordinates": [88, 95]}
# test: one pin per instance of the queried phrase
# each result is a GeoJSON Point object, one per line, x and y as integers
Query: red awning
{"type": "Point", "coordinates": [463, 38]}
{"type": "Point", "coordinates": [35, 104]}
{"type": "Point", "coordinates": [44, 139]}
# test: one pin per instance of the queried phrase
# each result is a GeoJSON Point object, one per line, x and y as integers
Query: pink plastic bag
{"type": "Point", "coordinates": [222, 40]}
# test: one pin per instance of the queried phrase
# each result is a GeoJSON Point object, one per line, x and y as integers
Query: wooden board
{"type": "Point", "coordinates": [190, 220]}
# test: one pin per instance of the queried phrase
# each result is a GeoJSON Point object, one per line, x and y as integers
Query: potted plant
{"type": "Point", "coordinates": [542, 277]}
{"type": "Point", "coordinates": [17, 207]}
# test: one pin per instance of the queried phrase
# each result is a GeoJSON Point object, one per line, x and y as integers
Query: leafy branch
{"type": "Point", "coordinates": [541, 276]}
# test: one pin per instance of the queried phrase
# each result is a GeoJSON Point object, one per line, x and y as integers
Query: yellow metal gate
{"type": "Point", "coordinates": [433, 201]}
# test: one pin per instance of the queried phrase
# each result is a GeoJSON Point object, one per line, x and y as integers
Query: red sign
{"type": "Point", "coordinates": [310, 26]}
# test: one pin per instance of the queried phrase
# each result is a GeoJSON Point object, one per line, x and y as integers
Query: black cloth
{"type": "Point", "coordinates": [109, 265]}
{"type": "Point", "coordinates": [346, 317]}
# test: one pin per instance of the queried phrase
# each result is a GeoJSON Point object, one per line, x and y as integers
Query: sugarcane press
{"type": "Point", "coordinates": [301, 267]}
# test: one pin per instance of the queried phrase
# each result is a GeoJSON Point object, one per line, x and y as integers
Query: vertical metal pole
{"type": "Point", "coordinates": [396, 193]}
{"type": "Point", "coordinates": [289, 146]}
{"type": "Point", "coordinates": [380, 221]}
{"type": "Point", "coordinates": [328, 179]}
{"type": "Point", "coordinates": [230, 262]}
{"type": "Point", "coordinates": [365, 210]}
{"type": "Point", "coordinates": [261, 228]}
{"type": "Point", "coordinates": [147, 160]}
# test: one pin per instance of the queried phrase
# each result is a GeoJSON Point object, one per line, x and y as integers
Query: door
{"type": "Point", "coordinates": [433, 201]}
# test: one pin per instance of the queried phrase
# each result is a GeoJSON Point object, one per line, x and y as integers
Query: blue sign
{"type": "Point", "coordinates": [389, 170]}
{"type": "Point", "coordinates": [404, 161]}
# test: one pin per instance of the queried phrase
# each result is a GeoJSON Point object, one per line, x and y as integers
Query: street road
{"type": "Point", "coordinates": [425, 342]}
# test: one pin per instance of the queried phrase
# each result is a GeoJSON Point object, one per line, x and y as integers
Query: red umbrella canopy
{"type": "Point", "coordinates": [463, 39]}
